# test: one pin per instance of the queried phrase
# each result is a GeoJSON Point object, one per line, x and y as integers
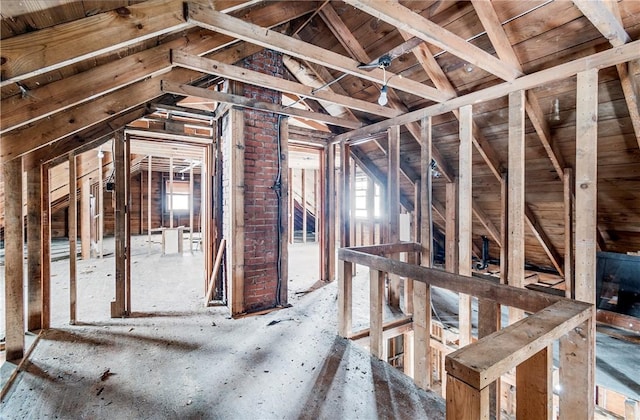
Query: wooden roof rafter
{"type": "Point", "coordinates": [240, 29]}
{"type": "Point", "coordinates": [605, 16]}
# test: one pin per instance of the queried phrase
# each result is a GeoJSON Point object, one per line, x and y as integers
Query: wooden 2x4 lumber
{"type": "Point", "coordinates": [606, 18]}
{"type": "Point", "coordinates": [393, 208]}
{"type": "Point", "coordinates": [376, 312]}
{"type": "Point", "coordinates": [586, 185]}
{"type": "Point", "coordinates": [118, 306]}
{"type": "Point", "coordinates": [527, 300]}
{"type": "Point", "coordinates": [187, 90]}
{"type": "Point", "coordinates": [413, 23]}
{"type": "Point", "coordinates": [516, 192]}
{"type": "Point", "coordinates": [534, 385]}
{"type": "Point", "coordinates": [46, 247]}
{"type": "Point", "coordinates": [465, 200]}
{"type": "Point", "coordinates": [71, 91]}
{"type": "Point", "coordinates": [219, 22]}
{"type": "Point", "coordinates": [611, 57]}
{"type": "Point", "coordinates": [229, 71]}
{"type": "Point", "coordinates": [483, 362]}
{"type": "Point", "coordinates": [465, 402]}
{"type": "Point", "coordinates": [73, 238]}
{"type": "Point", "coordinates": [49, 49]}
{"type": "Point", "coordinates": [14, 266]}
{"type": "Point", "coordinates": [34, 249]}
{"type": "Point", "coordinates": [505, 51]}
{"type": "Point", "coordinates": [235, 258]}
{"type": "Point", "coordinates": [577, 362]}
{"type": "Point", "coordinates": [345, 298]}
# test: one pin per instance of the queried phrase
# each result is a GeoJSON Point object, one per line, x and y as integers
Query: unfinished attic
{"type": "Point", "coordinates": [320, 209]}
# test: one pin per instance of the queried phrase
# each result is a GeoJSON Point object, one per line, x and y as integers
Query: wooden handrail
{"type": "Point", "coordinates": [526, 345]}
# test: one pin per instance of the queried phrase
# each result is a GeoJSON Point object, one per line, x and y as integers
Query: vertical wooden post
{"type": "Point", "coordinates": [14, 267]}
{"type": "Point", "coordinates": [568, 232]}
{"type": "Point", "coordinates": [352, 208]}
{"type": "Point", "coordinates": [376, 312]}
{"type": "Point", "coordinates": [345, 213]}
{"type": "Point", "coordinates": [127, 219]}
{"type": "Point", "coordinates": [504, 234]}
{"type": "Point", "coordinates": [149, 178]}
{"type": "Point", "coordinates": [466, 402]}
{"type": "Point", "coordinates": [515, 254]}
{"type": "Point", "coordinates": [422, 291]}
{"type": "Point", "coordinates": [345, 298]}
{"type": "Point", "coordinates": [73, 237]}
{"type": "Point", "coordinates": [488, 323]}
{"type": "Point", "coordinates": [46, 247]}
{"type": "Point", "coordinates": [393, 207]}
{"type": "Point", "coordinates": [100, 208]}
{"type": "Point", "coordinates": [303, 179]}
{"type": "Point", "coordinates": [316, 208]}
{"type": "Point", "coordinates": [118, 306]}
{"type": "Point", "coordinates": [171, 192]}
{"type": "Point", "coordinates": [534, 386]}
{"type": "Point", "coordinates": [191, 201]}
{"type": "Point", "coordinates": [236, 180]}
{"type": "Point", "coordinates": [292, 208]}
{"type": "Point", "coordinates": [464, 218]}
{"type": "Point", "coordinates": [577, 372]}
{"type": "Point", "coordinates": [34, 248]}
{"type": "Point", "coordinates": [85, 216]}
{"type": "Point", "coordinates": [451, 227]}
{"type": "Point", "coordinates": [586, 185]}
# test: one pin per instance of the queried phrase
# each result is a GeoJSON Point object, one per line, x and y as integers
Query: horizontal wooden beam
{"type": "Point", "coordinates": [405, 19]}
{"type": "Point", "coordinates": [95, 82]}
{"type": "Point", "coordinates": [611, 57]}
{"type": "Point", "coordinates": [187, 90]}
{"type": "Point", "coordinates": [255, 78]}
{"type": "Point", "coordinates": [48, 49]}
{"type": "Point", "coordinates": [483, 362]}
{"type": "Point", "coordinates": [219, 22]}
{"type": "Point", "coordinates": [527, 300]}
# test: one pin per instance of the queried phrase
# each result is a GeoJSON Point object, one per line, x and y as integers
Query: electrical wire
{"type": "Point", "coordinates": [277, 188]}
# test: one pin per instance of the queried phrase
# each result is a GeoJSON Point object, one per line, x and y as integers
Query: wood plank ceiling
{"type": "Point", "coordinates": [75, 71]}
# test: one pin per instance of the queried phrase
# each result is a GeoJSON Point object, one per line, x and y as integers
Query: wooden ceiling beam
{"type": "Point", "coordinates": [187, 90]}
{"type": "Point", "coordinates": [504, 49]}
{"type": "Point", "coordinates": [605, 16]}
{"type": "Point", "coordinates": [219, 22]}
{"type": "Point", "coordinates": [48, 49]}
{"type": "Point", "coordinates": [405, 19]}
{"type": "Point", "coordinates": [436, 74]}
{"type": "Point", "coordinates": [85, 86]}
{"type": "Point", "coordinates": [215, 67]}
{"type": "Point", "coordinates": [351, 44]}
{"type": "Point", "coordinates": [486, 222]}
{"type": "Point", "coordinates": [622, 54]}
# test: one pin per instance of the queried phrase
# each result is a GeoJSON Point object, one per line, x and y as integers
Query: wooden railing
{"type": "Point", "coordinates": [526, 345]}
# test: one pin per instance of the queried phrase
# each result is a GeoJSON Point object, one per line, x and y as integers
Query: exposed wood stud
{"type": "Point", "coordinates": [534, 386]}
{"type": "Point", "coordinates": [586, 185]}
{"type": "Point", "coordinates": [393, 207]}
{"type": "Point", "coordinates": [451, 227]}
{"type": "Point", "coordinates": [516, 217]}
{"type": "Point", "coordinates": [577, 372]}
{"type": "Point", "coordinates": [73, 237]}
{"type": "Point", "coordinates": [465, 205]}
{"type": "Point", "coordinates": [14, 267]}
{"type": "Point", "coordinates": [46, 247]}
{"type": "Point", "coordinates": [118, 308]}
{"type": "Point", "coordinates": [235, 245]}
{"type": "Point", "coordinates": [376, 312]}
{"type": "Point", "coordinates": [34, 249]}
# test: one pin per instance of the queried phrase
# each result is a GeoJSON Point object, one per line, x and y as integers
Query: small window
{"type": "Point", "coordinates": [180, 196]}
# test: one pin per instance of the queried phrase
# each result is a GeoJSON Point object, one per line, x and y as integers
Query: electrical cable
{"type": "Point", "coordinates": [277, 188]}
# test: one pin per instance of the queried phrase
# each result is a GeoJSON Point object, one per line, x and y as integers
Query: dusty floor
{"type": "Point", "coordinates": [176, 359]}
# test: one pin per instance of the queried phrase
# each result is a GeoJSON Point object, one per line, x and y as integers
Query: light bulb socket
{"type": "Point", "coordinates": [382, 100]}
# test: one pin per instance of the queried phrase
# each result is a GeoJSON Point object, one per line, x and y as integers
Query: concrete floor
{"type": "Point", "coordinates": [174, 358]}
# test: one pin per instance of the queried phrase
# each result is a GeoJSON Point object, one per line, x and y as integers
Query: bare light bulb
{"type": "Point", "coordinates": [382, 100]}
